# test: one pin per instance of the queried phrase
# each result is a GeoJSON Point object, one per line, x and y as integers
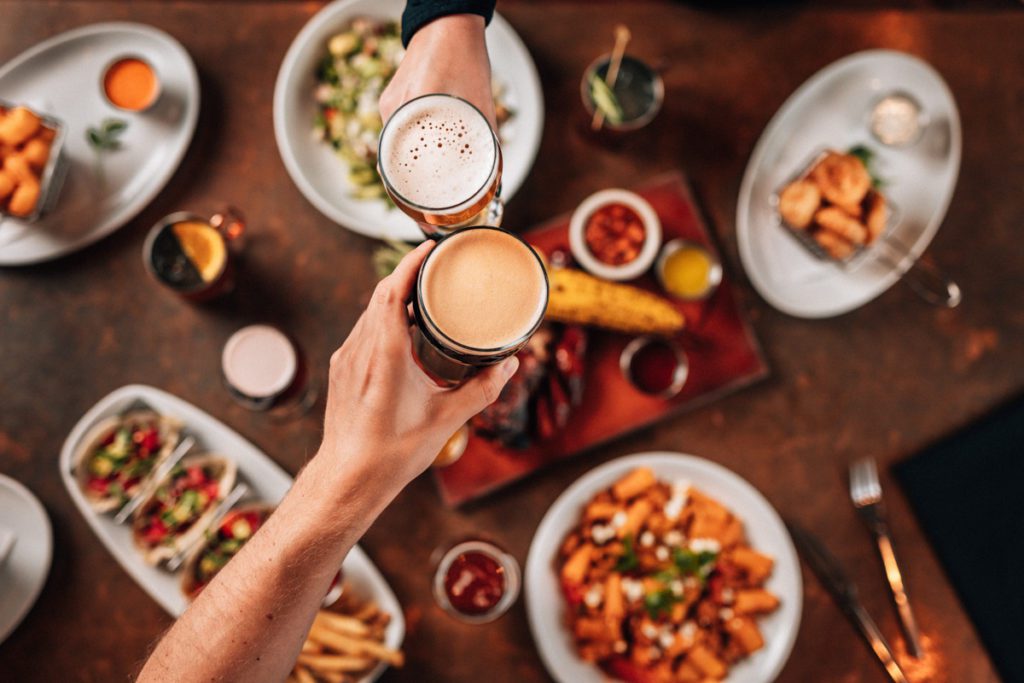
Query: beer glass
{"type": "Point", "coordinates": [480, 295]}
{"type": "Point", "coordinates": [440, 162]}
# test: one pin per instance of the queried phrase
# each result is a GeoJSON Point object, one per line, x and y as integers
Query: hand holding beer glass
{"type": "Point", "coordinates": [440, 161]}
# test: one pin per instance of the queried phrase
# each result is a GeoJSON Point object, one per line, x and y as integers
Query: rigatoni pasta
{"type": "Point", "coordinates": [661, 583]}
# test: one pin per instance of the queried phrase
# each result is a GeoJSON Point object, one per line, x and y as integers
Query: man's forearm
{"type": "Point", "coordinates": [252, 619]}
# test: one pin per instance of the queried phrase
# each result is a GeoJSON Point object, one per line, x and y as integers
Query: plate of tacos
{"type": "Point", "coordinates": [177, 470]}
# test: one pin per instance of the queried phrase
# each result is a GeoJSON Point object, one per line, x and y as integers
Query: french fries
{"type": "Point", "coordinates": [343, 647]}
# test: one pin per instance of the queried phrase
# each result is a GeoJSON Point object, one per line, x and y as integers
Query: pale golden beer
{"type": "Point", "coordinates": [441, 164]}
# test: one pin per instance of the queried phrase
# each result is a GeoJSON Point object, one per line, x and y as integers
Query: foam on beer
{"type": "Point", "coordinates": [483, 289]}
{"type": "Point", "coordinates": [438, 152]}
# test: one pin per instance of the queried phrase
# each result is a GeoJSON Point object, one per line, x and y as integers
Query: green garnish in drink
{"type": "Point", "coordinates": [605, 100]}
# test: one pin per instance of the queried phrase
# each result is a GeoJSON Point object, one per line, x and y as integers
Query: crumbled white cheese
{"type": "Point", "coordinates": [701, 545]}
{"type": "Point", "coordinates": [632, 589]}
{"type": "Point", "coordinates": [677, 501]}
{"type": "Point", "coordinates": [666, 638]}
{"type": "Point", "coordinates": [619, 646]}
{"type": "Point", "coordinates": [601, 534]}
{"type": "Point", "coordinates": [592, 598]}
{"type": "Point", "coordinates": [676, 586]}
{"type": "Point", "coordinates": [647, 539]}
{"type": "Point", "coordinates": [688, 631]}
{"type": "Point", "coordinates": [649, 630]}
{"type": "Point", "coordinates": [674, 538]}
{"type": "Point", "coordinates": [725, 614]}
{"type": "Point", "coordinates": [619, 519]}
{"type": "Point", "coordinates": [690, 583]}
{"type": "Point", "coordinates": [728, 595]}
{"type": "Point", "coordinates": [661, 552]}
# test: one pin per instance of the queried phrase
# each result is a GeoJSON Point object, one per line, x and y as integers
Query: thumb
{"type": "Point", "coordinates": [482, 389]}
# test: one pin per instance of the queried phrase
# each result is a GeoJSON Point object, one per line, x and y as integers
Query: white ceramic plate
{"type": "Point", "coordinates": [61, 77]}
{"type": "Point", "coordinates": [321, 175]}
{"type": "Point", "coordinates": [767, 533]}
{"type": "Point", "coordinates": [267, 481]}
{"type": "Point", "coordinates": [24, 572]}
{"type": "Point", "coordinates": [830, 111]}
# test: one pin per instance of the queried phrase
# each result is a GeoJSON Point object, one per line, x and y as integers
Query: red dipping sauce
{"type": "Point", "coordinates": [474, 583]}
{"type": "Point", "coordinates": [615, 234]}
{"type": "Point", "coordinates": [654, 366]}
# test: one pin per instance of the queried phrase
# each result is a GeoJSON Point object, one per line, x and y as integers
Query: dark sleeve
{"type": "Point", "coordinates": [420, 12]}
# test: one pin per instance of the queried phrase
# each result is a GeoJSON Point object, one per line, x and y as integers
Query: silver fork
{"type": "Point", "coordinates": [866, 493]}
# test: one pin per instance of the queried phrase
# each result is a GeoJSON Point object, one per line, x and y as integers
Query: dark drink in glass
{"type": "Point", "coordinates": [480, 295]}
{"type": "Point", "coordinates": [192, 255]}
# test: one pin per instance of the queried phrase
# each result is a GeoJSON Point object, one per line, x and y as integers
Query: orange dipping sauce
{"type": "Point", "coordinates": [131, 84]}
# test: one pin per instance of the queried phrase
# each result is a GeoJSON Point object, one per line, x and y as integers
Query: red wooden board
{"type": "Point", "coordinates": [723, 353]}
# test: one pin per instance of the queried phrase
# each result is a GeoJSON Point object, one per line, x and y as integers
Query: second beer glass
{"type": "Point", "coordinates": [441, 164]}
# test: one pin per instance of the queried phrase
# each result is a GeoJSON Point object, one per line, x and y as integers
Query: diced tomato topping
{"type": "Point", "coordinates": [98, 485]}
{"type": "Point", "coordinates": [195, 477]}
{"type": "Point", "coordinates": [330, 113]}
{"type": "Point", "coordinates": [151, 440]}
{"type": "Point", "coordinates": [109, 438]}
{"type": "Point", "coordinates": [212, 490]}
{"type": "Point", "coordinates": [573, 593]}
{"type": "Point", "coordinates": [155, 532]}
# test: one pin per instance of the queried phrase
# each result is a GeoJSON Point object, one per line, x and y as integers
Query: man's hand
{"type": "Point", "coordinates": [448, 55]}
{"type": "Point", "coordinates": [386, 419]}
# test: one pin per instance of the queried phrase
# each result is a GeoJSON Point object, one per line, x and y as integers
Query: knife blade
{"type": "Point", "coordinates": [831, 574]}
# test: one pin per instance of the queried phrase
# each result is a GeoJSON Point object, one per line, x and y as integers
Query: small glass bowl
{"type": "Point", "coordinates": [638, 87]}
{"type": "Point", "coordinates": [680, 374]}
{"type": "Point", "coordinates": [714, 272]}
{"type": "Point", "coordinates": [510, 569]}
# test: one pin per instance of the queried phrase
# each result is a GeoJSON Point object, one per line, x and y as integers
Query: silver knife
{"type": "Point", "coordinates": [844, 592]}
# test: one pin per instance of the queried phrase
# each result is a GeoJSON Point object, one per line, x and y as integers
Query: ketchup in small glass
{"type": "Point", "coordinates": [476, 581]}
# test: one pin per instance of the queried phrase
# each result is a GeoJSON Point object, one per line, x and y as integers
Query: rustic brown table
{"type": "Point", "coordinates": [883, 381]}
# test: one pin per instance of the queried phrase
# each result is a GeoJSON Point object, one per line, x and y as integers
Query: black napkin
{"type": "Point", "coordinates": [968, 493]}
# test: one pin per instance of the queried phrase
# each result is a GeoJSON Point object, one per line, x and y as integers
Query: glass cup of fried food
{"type": "Point", "coordinates": [661, 583]}
{"type": "Point", "coordinates": [834, 207]}
{"type": "Point", "coordinates": [30, 170]}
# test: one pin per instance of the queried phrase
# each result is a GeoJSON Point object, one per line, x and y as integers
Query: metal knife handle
{"type": "Point", "coordinates": [877, 642]}
{"type": "Point", "coordinates": [899, 593]}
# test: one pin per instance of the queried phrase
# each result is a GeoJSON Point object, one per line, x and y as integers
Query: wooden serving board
{"type": "Point", "coordinates": [723, 354]}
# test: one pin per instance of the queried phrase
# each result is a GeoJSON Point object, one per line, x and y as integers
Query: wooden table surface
{"type": "Point", "coordinates": [884, 380]}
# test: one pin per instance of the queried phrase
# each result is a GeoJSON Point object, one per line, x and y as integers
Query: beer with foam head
{"type": "Point", "coordinates": [480, 295]}
{"type": "Point", "coordinates": [441, 163]}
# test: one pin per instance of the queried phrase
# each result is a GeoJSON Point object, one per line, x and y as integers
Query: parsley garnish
{"type": "Point", "coordinates": [867, 157]}
{"type": "Point", "coordinates": [106, 137]}
{"type": "Point", "coordinates": [694, 564]}
{"type": "Point", "coordinates": [660, 602]}
{"type": "Point", "coordinates": [628, 560]}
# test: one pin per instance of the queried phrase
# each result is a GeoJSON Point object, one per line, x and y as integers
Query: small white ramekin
{"type": "Point", "coordinates": [652, 235]}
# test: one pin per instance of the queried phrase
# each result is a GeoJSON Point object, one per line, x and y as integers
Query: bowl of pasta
{"type": "Point", "coordinates": [663, 567]}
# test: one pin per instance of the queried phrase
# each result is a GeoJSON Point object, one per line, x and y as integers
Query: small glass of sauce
{"type": "Point", "coordinates": [264, 371]}
{"type": "Point", "coordinates": [131, 84]}
{"type": "Point", "coordinates": [688, 271]}
{"type": "Point", "coordinates": [476, 582]}
{"type": "Point", "coordinates": [897, 120]}
{"type": "Point", "coordinates": [655, 366]}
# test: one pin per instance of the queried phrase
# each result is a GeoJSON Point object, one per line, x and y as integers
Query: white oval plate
{"type": "Point", "coordinates": [24, 572]}
{"type": "Point", "coordinates": [267, 481]}
{"type": "Point", "coordinates": [765, 530]}
{"type": "Point", "coordinates": [61, 77]}
{"type": "Point", "coordinates": [830, 111]}
{"type": "Point", "coordinates": [321, 175]}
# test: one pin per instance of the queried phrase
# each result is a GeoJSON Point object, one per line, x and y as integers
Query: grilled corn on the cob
{"type": "Point", "coordinates": [577, 297]}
